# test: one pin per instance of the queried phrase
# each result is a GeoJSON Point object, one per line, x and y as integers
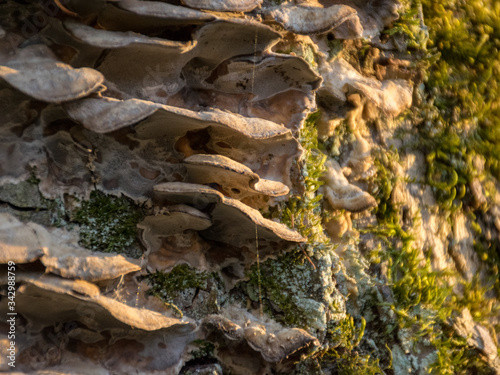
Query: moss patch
{"type": "Point", "coordinates": [287, 286]}
{"type": "Point", "coordinates": [303, 212]}
{"type": "Point", "coordinates": [423, 298]}
{"type": "Point", "coordinates": [109, 224]}
{"type": "Point", "coordinates": [168, 286]}
{"type": "Point", "coordinates": [205, 350]}
{"type": "Point", "coordinates": [462, 108]}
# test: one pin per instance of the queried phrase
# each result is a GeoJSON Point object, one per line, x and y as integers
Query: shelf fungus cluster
{"type": "Point", "coordinates": [181, 122]}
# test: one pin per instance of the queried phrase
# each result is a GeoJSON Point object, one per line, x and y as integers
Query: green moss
{"type": "Point", "coordinates": [205, 350]}
{"type": "Point", "coordinates": [345, 334]}
{"type": "Point", "coordinates": [343, 337]}
{"type": "Point", "coordinates": [59, 216]}
{"type": "Point", "coordinates": [334, 48]}
{"type": "Point", "coordinates": [488, 252]}
{"type": "Point", "coordinates": [408, 25]}
{"type": "Point", "coordinates": [459, 121]}
{"type": "Point", "coordinates": [287, 282]}
{"type": "Point", "coordinates": [356, 364]}
{"type": "Point", "coordinates": [475, 298]}
{"type": "Point", "coordinates": [455, 357]}
{"type": "Point", "coordinates": [466, 33]}
{"type": "Point", "coordinates": [340, 354]}
{"type": "Point", "coordinates": [307, 366]}
{"type": "Point", "coordinates": [168, 286]}
{"type": "Point", "coordinates": [33, 179]}
{"type": "Point", "coordinates": [382, 184]}
{"type": "Point", "coordinates": [303, 212]}
{"type": "Point", "coordinates": [109, 224]}
{"type": "Point", "coordinates": [449, 163]}
{"type": "Point", "coordinates": [287, 285]}
{"type": "Point", "coordinates": [463, 92]}
{"type": "Point", "coordinates": [313, 159]}
{"type": "Point", "coordinates": [413, 283]}
{"type": "Point", "coordinates": [423, 298]}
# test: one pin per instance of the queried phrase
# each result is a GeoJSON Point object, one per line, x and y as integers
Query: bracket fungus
{"type": "Point", "coordinates": [275, 343]}
{"type": "Point", "coordinates": [26, 243]}
{"type": "Point", "coordinates": [148, 16]}
{"type": "Point", "coordinates": [171, 220]}
{"type": "Point", "coordinates": [171, 59]}
{"type": "Point", "coordinates": [267, 148]}
{"type": "Point", "coordinates": [345, 19]}
{"type": "Point", "coordinates": [62, 297]}
{"type": "Point", "coordinates": [104, 115]}
{"type": "Point", "coordinates": [224, 6]}
{"type": "Point", "coordinates": [343, 195]}
{"type": "Point", "coordinates": [392, 96]}
{"type": "Point", "coordinates": [263, 77]}
{"type": "Point", "coordinates": [235, 179]}
{"type": "Point", "coordinates": [233, 221]}
{"type": "Point", "coordinates": [36, 72]}
{"type": "Point", "coordinates": [196, 74]}
{"type": "Point", "coordinates": [314, 19]}
{"type": "Point", "coordinates": [175, 219]}
{"type": "Point", "coordinates": [121, 330]}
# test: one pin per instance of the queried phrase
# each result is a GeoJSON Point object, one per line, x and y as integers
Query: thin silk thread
{"type": "Point", "coordinates": [256, 231]}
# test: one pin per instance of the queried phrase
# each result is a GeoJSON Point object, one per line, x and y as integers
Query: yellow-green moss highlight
{"type": "Point", "coordinates": [424, 299]}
